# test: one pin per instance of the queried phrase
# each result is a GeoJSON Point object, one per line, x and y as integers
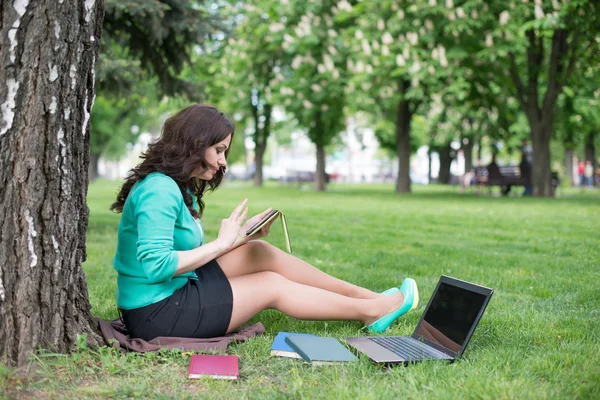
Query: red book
{"type": "Point", "coordinates": [218, 367]}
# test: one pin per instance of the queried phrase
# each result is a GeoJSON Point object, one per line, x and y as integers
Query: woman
{"type": "Point", "coordinates": [170, 283]}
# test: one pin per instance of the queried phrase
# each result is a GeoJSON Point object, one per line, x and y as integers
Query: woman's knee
{"type": "Point", "coordinates": [270, 285]}
{"type": "Point", "coordinates": [261, 254]}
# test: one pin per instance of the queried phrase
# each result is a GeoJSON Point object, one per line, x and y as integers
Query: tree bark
{"type": "Point", "coordinates": [429, 172]}
{"type": "Point", "coordinates": [403, 121]}
{"type": "Point", "coordinates": [321, 177]}
{"type": "Point", "coordinates": [46, 94]}
{"type": "Point", "coordinates": [541, 169]}
{"type": "Point", "coordinates": [590, 148]}
{"type": "Point", "coordinates": [569, 154]}
{"type": "Point", "coordinates": [262, 130]}
{"type": "Point", "coordinates": [468, 154]}
{"type": "Point", "coordinates": [445, 153]}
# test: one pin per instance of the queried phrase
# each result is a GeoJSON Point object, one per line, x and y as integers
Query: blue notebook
{"type": "Point", "coordinates": [320, 350]}
{"type": "Point", "coordinates": [281, 348]}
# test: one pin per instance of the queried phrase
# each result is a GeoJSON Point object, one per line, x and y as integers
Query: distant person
{"type": "Point", "coordinates": [525, 170]}
{"type": "Point", "coordinates": [494, 172]}
{"type": "Point", "coordinates": [468, 179]}
{"type": "Point", "coordinates": [173, 283]}
{"type": "Point", "coordinates": [580, 173]}
{"type": "Point", "coordinates": [598, 173]}
{"type": "Point", "coordinates": [588, 174]}
{"type": "Point", "coordinates": [527, 150]}
{"type": "Point", "coordinates": [493, 168]}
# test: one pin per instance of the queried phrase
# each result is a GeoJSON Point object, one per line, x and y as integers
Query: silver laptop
{"type": "Point", "coordinates": [443, 331]}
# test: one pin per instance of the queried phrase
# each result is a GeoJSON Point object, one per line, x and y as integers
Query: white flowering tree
{"type": "Point", "coordinates": [314, 76]}
{"type": "Point", "coordinates": [247, 69]}
{"type": "Point", "coordinates": [401, 56]}
{"type": "Point", "coordinates": [538, 44]}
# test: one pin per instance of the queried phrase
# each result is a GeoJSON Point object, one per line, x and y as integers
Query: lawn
{"type": "Point", "coordinates": [539, 337]}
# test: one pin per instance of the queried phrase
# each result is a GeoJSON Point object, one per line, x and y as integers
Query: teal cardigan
{"type": "Point", "coordinates": [154, 226]}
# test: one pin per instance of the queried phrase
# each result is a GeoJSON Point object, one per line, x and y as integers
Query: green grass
{"type": "Point", "coordinates": [539, 337]}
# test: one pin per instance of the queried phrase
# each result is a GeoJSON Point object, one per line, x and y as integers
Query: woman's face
{"type": "Point", "coordinates": [215, 159]}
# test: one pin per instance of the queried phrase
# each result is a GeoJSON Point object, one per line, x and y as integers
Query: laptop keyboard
{"type": "Point", "coordinates": [406, 347]}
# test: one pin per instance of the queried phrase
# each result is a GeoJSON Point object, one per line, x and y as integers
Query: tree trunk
{"type": "Point", "coordinates": [46, 91]}
{"type": "Point", "coordinates": [403, 120]}
{"type": "Point", "coordinates": [590, 149]}
{"type": "Point", "coordinates": [468, 154]}
{"type": "Point", "coordinates": [320, 178]}
{"type": "Point", "coordinates": [445, 153]}
{"type": "Point", "coordinates": [541, 170]}
{"type": "Point", "coordinates": [479, 151]}
{"type": "Point", "coordinates": [429, 153]}
{"type": "Point", "coordinates": [261, 136]}
{"type": "Point", "coordinates": [569, 154]}
{"type": "Point", "coordinates": [258, 166]}
{"type": "Point", "coordinates": [539, 117]}
{"type": "Point", "coordinates": [93, 167]}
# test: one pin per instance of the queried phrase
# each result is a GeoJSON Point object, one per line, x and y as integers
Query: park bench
{"type": "Point", "coordinates": [300, 177]}
{"type": "Point", "coordinates": [507, 176]}
{"type": "Point", "coordinates": [503, 176]}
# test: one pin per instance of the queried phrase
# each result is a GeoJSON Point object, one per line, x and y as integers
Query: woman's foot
{"type": "Point", "coordinates": [386, 304]}
{"type": "Point", "coordinates": [407, 299]}
{"type": "Point", "coordinates": [390, 291]}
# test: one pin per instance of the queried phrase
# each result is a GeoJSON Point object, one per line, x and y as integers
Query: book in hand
{"type": "Point", "coordinates": [281, 348]}
{"type": "Point", "coordinates": [217, 367]}
{"type": "Point", "coordinates": [270, 217]}
{"type": "Point", "coordinates": [320, 350]}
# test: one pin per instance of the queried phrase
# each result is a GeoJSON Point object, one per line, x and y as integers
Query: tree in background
{"type": "Point", "coordinates": [46, 91]}
{"type": "Point", "coordinates": [158, 36]}
{"type": "Point", "coordinates": [146, 47]}
{"type": "Point", "coordinates": [538, 44]}
{"type": "Point", "coordinates": [249, 68]}
{"type": "Point", "coordinates": [314, 76]}
{"type": "Point", "coordinates": [400, 60]}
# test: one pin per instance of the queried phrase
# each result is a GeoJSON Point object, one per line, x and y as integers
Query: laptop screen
{"type": "Point", "coordinates": [450, 316]}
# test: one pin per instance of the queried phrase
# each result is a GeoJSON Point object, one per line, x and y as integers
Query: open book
{"type": "Point", "coordinates": [271, 216]}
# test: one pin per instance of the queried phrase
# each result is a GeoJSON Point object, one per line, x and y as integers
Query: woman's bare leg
{"type": "Point", "coordinates": [263, 290]}
{"type": "Point", "coordinates": [258, 256]}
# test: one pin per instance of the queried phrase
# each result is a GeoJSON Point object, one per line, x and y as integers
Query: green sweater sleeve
{"type": "Point", "coordinates": [158, 203]}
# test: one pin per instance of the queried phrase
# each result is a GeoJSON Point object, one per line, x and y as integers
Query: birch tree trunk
{"type": "Point", "coordinates": [47, 61]}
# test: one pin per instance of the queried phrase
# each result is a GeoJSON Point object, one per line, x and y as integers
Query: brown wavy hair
{"type": "Point", "coordinates": [180, 151]}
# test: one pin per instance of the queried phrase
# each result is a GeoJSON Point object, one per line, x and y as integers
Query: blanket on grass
{"type": "Point", "coordinates": [115, 333]}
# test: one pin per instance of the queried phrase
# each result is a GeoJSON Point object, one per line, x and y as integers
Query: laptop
{"type": "Point", "coordinates": [443, 331]}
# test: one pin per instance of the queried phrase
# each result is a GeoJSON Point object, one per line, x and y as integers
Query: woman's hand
{"type": "Point", "coordinates": [264, 231]}
{"type": "Point", "coordinates": [230, 227]}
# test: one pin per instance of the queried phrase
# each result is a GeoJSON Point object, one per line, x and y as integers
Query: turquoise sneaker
{"type": "Point", "coordinates": [411, 301]}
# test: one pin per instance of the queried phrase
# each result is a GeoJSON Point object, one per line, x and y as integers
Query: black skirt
{"type": "Point", "coordinates": [200, 309]}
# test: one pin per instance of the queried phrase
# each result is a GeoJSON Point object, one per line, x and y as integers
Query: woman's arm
{"type": "Point", "coordinates": [189, 260]}
{"type": "Point", "coordinates": [229, 239]}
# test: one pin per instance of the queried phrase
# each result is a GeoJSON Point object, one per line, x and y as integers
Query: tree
{"type": "Point", "coordinates": [401, 54]}
{"type": "Point", "coordinates": [146, 46]}
{"type": "Point", "coordinates": [158, 36]}
{"type": "Point", "coordinates": [255, 48]}
{"type": "Point", "coordinates": [46, 96]}
{"type": "Point", "coordinates": [315, 74]}
{"type": "Point", "coordinates": [539, 44]}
